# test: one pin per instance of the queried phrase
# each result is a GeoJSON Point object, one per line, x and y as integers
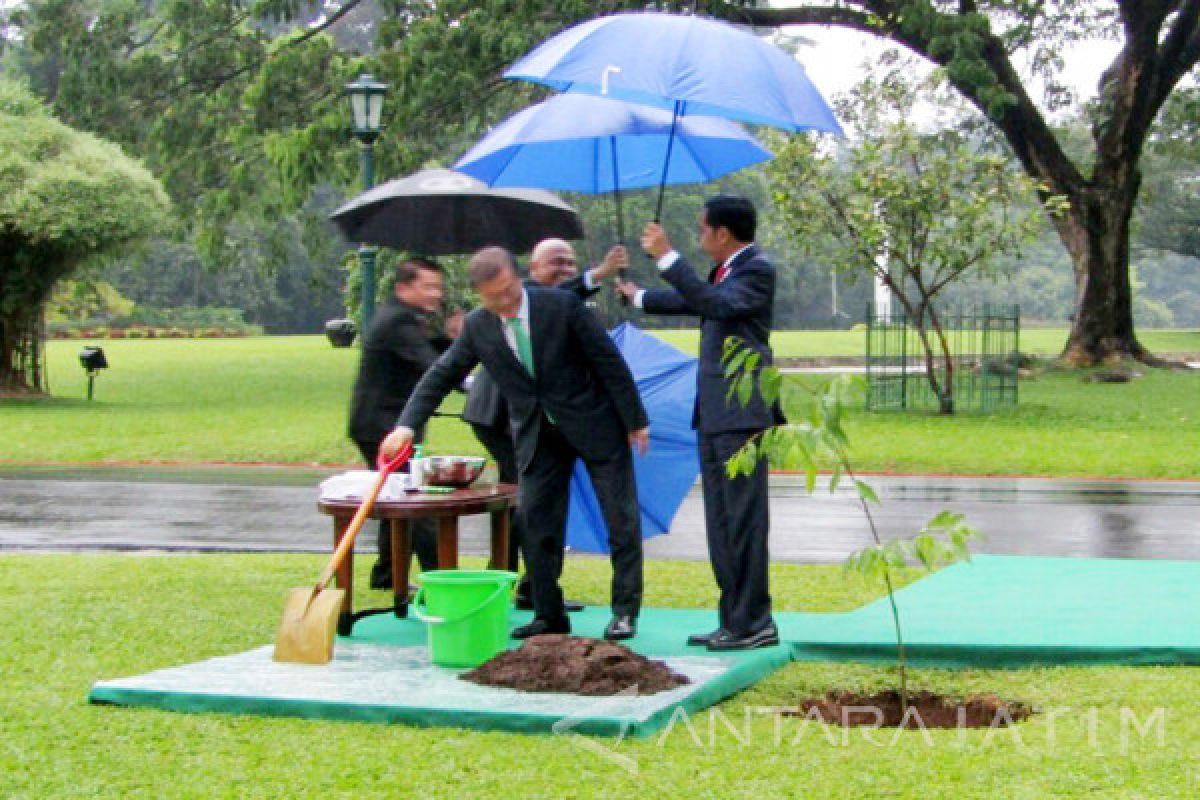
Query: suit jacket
{"type": "Point", "coordinates": [741, 306]}
{"type": "Point", "coordinates": [396, 352]}
{"type": "Point", "coordinates": [484, 405]}
{"type": "Point", "coordinates": [580, 379]}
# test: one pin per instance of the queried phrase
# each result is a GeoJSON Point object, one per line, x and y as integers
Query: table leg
{"type": "Point", "coordinates": [447, 542]}
{"type": "Point", "coordinates": [345, 578]}
{"type": "Point", "coordinates": [401, 560]}
{"type": "Point", "coordinates": [500, 534]}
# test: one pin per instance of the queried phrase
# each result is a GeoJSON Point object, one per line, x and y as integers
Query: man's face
{"type": "Point", "coordinates": [552, 264]}
{"type": "Point", "coordinates": [502, 294]}
{"type": "Point", "coordinates": [423, 292]}
{"type": "Point", "coordinates": [712, 240]}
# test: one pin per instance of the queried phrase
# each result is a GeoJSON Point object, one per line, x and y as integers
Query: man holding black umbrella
{"type": "Point", "coordinates": [735, 301]}
{"type": "Point", "coordinates": [397, 349]}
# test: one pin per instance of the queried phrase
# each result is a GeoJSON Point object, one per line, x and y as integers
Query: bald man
{"type": "Point", "coordinates": [552, 264]}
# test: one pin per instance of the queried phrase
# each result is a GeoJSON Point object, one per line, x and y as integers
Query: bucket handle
{"type": "Point", "coordinates": [418, 607]}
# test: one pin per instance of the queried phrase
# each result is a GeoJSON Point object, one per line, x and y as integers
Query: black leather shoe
{"type": "Point", "coordinates": [621, 627]}
{"type": "Point", "coordinates": [381, 577]}
{"type": "Point", "coordinates": [540, 626]}
{"type": "Point", "coordinates": [703, 639]}
{"type": "Point", "coordinates": [526, 604]}
{"type": "Point", "coordinates": [767, 637]}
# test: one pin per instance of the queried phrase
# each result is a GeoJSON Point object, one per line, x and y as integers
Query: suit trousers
{"type": "Point", "coordinates": [422, 533]}
{"type": "Point", "coordinates": [545, 487]}
{"type": "Point", "coordinates": [498, 440]}
{"type": "Point", "coordinates": [737, 521]}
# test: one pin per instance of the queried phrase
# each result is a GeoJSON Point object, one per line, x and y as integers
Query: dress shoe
{"type": "Point", "coordinates": [621, 627]}
{"type": "Point", "coordinates": [702, 639]}
{"type": "Point", "coordinates": [540, 626]}
{"type": "Point", "coordinates": [766, 637]}
{"type": "Point", "coordinates": [526, 604]}
{"type": "Point", "coordinates": [381, 577]}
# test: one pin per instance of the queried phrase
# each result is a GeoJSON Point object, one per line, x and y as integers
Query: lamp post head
{"type": "Point", "coordinates": [366, 107]}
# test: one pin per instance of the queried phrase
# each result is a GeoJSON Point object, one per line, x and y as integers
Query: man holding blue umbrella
{"type": "Point", "coordinates": [735, 301]}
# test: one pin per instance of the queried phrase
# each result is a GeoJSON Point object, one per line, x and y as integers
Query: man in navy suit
{"type": "Point", "coordinates": [570, 396]}
{"type": "Point", "coordinates": [735, 301]}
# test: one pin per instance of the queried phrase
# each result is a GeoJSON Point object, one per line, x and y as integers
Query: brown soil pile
{"type": "Point", "coordinates": [925, 709]}
{"type": "Point", "coordinates": [576, 665]}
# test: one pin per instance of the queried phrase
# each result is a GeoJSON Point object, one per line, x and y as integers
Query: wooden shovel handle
{"type": "Point", "coordinates": [386, 468]}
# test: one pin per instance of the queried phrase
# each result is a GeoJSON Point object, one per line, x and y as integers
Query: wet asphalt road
{"type": "Point", "coordinates": [260, 509]}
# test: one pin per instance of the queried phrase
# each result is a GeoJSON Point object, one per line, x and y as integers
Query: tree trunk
{"type": "Point", "coordinates": [1095, 232]}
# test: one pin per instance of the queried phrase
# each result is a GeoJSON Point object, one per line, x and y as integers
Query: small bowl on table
{"type": "Point", "coordinates": [457, 472]}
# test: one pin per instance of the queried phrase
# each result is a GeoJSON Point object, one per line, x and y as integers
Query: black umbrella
{"type": "Point", "coordinates": [438, 212]}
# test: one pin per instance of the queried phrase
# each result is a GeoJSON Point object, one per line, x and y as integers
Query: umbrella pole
{"type": "Point", "coordinates": [617, 192]}
{"type": "Point", "coordinates": [617, 209]}
{"type": "Point", "coordinates": [662, 183]}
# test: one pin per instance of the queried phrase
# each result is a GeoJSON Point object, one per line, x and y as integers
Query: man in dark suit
{"type": "Point", "coordinates": [570, 395]}
{"type": "Point", "coordinates": [397, 349]}
{"type": "Point", "coordinates": [736, 300]}
{"type": "Point", "coordinates": [552, 263]}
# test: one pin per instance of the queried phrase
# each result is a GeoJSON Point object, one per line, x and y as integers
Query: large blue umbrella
{"type": "Point", "coordinates": [666, 381]}
{"type": "Point", "coordinates": [693, 65]}
{"type": "Point", "coordinates": [594, 145]}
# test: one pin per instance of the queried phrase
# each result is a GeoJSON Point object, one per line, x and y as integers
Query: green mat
{"type": "Point", "coordinates": [382, 674]}
{"type": "Point", "coordinates": [997, 611]}
{"type": "Point", "coordinates": [1017, 611]}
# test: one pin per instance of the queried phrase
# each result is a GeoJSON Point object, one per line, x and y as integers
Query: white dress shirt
{"type": "Point", "coordinates": [668, 261]}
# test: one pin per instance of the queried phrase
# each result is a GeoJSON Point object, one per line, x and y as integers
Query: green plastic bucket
{"type": "Point", "coordinates": [466, 612]}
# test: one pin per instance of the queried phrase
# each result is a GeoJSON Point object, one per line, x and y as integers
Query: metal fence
{"type": "Point", "coordinates": [984, 353]}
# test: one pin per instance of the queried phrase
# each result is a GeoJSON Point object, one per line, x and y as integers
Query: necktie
{"type": "Point", "coordinates": [722, 273]}
{"type": "Point", "coordinates": [524, 346]}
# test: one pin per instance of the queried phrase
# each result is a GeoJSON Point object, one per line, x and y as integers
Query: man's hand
{"type": "Point", "coordinates": [655, 241]}
{"type": "Point", "coordinates": [395, 442]}
{"type": "Point", "coordinates": [617, 258]}
{"type": "Point", "coordinates": [627, 289]}
{"type": "Point", "coordinates": [639, 440]}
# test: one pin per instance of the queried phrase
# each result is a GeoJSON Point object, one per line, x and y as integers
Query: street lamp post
{"type": "Point", "coordinates": [366, 108]}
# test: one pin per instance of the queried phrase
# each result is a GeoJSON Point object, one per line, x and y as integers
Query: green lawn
{"type": "Point", "coordinates": [75, 619]}
{"type": "Point", "coordinates": [284, 399]}
{"type": "Point", "coordinates": [1036, 341]}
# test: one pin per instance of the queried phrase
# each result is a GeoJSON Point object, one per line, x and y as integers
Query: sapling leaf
{"type": "Point", "coordinates": [866, 492]}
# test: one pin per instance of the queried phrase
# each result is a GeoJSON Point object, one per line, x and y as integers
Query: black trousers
{"type": "Point", "coordinates": [498, 440]}
{"type": "Point", "coordinates": [422, 533]}
{"type": "Point", "coordinates": [545, 484]}
{"type": "Point", "coordinates": [737, 521]}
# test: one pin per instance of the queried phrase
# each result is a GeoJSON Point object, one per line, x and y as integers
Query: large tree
{"type": "Point", "coordinates": [977, 42]}
{"type": "Point", "coordinates": [65, 196]}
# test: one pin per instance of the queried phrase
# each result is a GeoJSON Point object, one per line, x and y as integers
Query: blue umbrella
{"type": "Point", "coordinates": [693, 65]}
{"type": "Point", "coordinates": [590, 144]}
{"type": "Point", "coordinates": [690, 65]}
{"type": "Point", "coordinates": [582, 143]}
{"type": "Point", "coordinates": [666, 381]}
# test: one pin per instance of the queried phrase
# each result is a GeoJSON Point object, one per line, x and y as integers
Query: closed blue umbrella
{"type": "Point", "coordinates": [692, 65]}
{"type": "Point", "coordinates": [666, 381]}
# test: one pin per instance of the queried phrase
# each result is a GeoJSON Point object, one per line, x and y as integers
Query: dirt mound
{"type": "Point", "coordinates": [925, 710]}
{"type": "Point", "coordinates": [576, 665]}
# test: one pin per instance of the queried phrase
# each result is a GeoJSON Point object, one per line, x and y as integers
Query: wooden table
{"type": "Point", "coordinates": [496, 500]}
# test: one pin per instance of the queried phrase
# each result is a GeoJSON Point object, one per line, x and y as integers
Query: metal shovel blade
{"type": "Point", "coordinates": [309, 626]}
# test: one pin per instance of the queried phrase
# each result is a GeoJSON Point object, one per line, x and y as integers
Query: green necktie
{"type": "Point", "coordinates": [524, 346]}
